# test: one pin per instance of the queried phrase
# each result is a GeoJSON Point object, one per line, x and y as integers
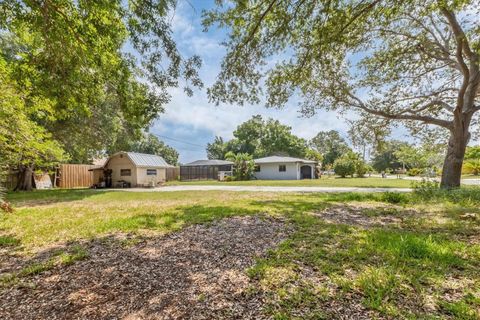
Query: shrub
{"type": "Point", "coordinates": [361, 168]}
{"type": "Point", "coordinates": [430, 191]}
{"type": "Point", "coordinates": [243, 165]}
{"type": "Point", "coordinates": [414, 172]}
{"type": "Point", "coordinates": [344, 167]}
{"type": "Point", "coordinates": [472, 166]}
{"type": "Point", "coordinates": [394, 197]}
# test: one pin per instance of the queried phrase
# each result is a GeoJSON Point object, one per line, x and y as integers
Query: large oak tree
{"type": "Point", "coordinates": [88, 72]}
{"type": "Point", "coordinates": [409, 61]}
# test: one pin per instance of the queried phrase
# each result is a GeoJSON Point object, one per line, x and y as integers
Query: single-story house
{"type": "Point", "coordinates": [206, 170]}
{"type": "Point", "coordinates": [284, 168]}
{"type": "Point", "coordinates": [131, 169]}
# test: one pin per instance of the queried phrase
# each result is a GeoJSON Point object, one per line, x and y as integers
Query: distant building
{"type": "Point", "coordinates": [284, 168]}
{"type": "Point", "coordinates": [131, 169]}
{"type": "Point", "coordinates": [206, 170]}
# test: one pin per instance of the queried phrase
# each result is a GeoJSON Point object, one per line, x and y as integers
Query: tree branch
{"type": "Point", "coordinates": [401, 116]}
{"type": "Point", "coordinates": [458, 32]}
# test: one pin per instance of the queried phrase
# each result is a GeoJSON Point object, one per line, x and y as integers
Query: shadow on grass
{"type": "Point", "coordinates": [175, 219]}
{"type": "Point", "coordinates": [8, 241]}
{"type": "Point", "coordinates": [193, 272]}
{"type": "Point", "coordinates": [41, 197]}
{"type": "Point", "coordinates": [392, 270]}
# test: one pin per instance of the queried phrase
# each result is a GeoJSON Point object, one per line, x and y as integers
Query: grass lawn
{"type": "Point", "coordinates": [371, 182]}
{"type": "Point", "coordinates": [387, 255]}
{"type": "Point", "coordinates": [470, 176]}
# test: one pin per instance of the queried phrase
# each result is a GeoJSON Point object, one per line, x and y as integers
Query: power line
{"type": "Point", "coordinates": [181, 141]}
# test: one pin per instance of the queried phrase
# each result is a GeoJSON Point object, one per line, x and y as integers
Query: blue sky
{"type": "Point", "coordinates": [194, 120]}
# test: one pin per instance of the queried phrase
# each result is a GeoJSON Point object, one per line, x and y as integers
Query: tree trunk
{"type": "Point", "coordinates": [452, 166]}
{"type": "Point", "coordinates": [25, 177]}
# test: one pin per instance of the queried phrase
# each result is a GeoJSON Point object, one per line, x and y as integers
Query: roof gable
{"type": "Point", "coordinates": [147, 160]}
{"type": "Point", "coordinates": [278, 159]}
{"type": "Point", "coordinates": [142, 159]}
{"type": "Point", "coordinates": [208, 163]}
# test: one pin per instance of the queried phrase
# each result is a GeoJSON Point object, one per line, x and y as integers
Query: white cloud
{"type": "Point", "coordinates": [195, 119]}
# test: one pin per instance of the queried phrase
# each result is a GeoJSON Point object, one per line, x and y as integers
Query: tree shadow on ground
{"type": "Point", "coordinates": [197, 273]}
{"type": "Point", "coordinates": [42, 197]}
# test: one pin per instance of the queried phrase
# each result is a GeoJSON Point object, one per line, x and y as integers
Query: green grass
{"type": "Point", "coordinates": [372, 182]}
{"type": "Point", "coordinates": [427, 266]}
{"type": "Point", "coordinates": [58, 258]}
{"type": "Point", "coordinates": [470, 176]}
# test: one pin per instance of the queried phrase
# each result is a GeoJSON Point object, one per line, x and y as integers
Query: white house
{"type": "Point", "coordinates": [284, 168]}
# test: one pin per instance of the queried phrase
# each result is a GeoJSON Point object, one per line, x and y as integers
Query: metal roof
{"type": "Point", "coordinates": [140, 160]}
{"type": "Point", "coordinates": [208, 163]}
{"type": "Point", "coordinates": [147, 160]}
{"type": "Point", "coordinates": [278, 159]}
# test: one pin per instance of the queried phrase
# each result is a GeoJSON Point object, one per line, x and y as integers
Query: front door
{"type": "Point", "coordinates": [306, 172]}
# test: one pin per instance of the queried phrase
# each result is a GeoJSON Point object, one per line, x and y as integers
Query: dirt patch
{"type": "Point", "coordinates": [365, 215]}
{"type": "Point", "coordinates": [198, 273]}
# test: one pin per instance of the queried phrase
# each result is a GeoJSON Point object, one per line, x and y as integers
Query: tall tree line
{"type": "Point", "coordinates": [68, 89]}
{"type": "Point", "coordinates": [411, 62]}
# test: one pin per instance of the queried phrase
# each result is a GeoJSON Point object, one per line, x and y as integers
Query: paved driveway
{"type": "Point", "coordinates": [265, 189]}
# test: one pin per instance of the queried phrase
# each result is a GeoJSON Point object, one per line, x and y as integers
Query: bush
{"type": "Point", "coordinates": [243, 165]}
{"type": "Point", "coordinates": [361, 168]}
{"type": "Point", "coordinates": [229, 178]}
{"type": "Point", "coordinates": [413, 172]}
{"type": "Point", "coordinates": [429, 191]}
{"type": "Point", "coordinates": [344, 167]}
{"type": "Point", "coordinates": [394, 197]}
{"type": "Point", "coordinates": [472, 166]}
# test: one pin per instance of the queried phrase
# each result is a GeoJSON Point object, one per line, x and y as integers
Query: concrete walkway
{"type": "Point", "coordinates": [264, 189]}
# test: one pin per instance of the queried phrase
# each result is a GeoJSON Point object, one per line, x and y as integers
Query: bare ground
{"type": "Point", "coordinates": [197, 273]}
{"type": "Point", "coordinates": [365, 214]}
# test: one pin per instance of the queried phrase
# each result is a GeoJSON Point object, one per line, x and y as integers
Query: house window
{"type": "Point", "coordinates": [125, 172]}
{"type": "Point", "coordinates": [282, 168]}
{"type": "Point", "coordinates": [257, 169]}
{"type": "Point", "coordinates": [151, 172]}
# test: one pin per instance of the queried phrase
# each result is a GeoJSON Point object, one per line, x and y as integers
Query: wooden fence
{"type": "Point", "coordinates": [172, 173]}
{"type": "Point", "coordinates": [9, 181]}
{"type": "Point", "coordinates": [74, 176]}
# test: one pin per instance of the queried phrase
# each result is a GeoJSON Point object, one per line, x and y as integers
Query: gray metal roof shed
{"type": "Point", "coordinates": [143, 159]}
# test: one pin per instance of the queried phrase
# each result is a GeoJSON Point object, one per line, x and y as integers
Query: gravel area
{"type": "Point", "coordinates": [197, 273]}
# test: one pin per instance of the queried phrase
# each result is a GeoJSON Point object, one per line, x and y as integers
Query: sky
{"type": "Point", "coordinates": [189, 123]}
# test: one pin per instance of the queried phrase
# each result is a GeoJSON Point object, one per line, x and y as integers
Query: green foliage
{"type": "Point", "coordinates": [472, 153]}
{"type": "Point", "coordinates": [330, 145]}
{"type": "Point", "coordinates": [413, 172]}
{"type": "Point", "coordinates": [349, 164]}
{"type": "Point", "coordinates": [72, 84]}
{"type": "Point", "coordinates": [243, 165]}
{"type": "Point", "coordinates": [314, 155]}
{"type": "Point", "coordinates": [361, 168]}
{"type": "Point", "coordinates": [384, 158]}
{"type": "Point", "coordinates": [420, 157]}
{"type": "Point", "coordinates": [376, 59]}
{"type": "Point", "coordinates": [394, 197]}
{"type": "Point", "coordinates": [217, 149]}
{"type": "Point", "coordinates": [472, 166]}
{"type": "Point", "coordinates": [24, 141]}
{"type": "Point", "coordinates": [344, 167]}
{"type": "Point", "coordinates": [429, 191]}
{"type": "Point", "coordinates": [148, 143]}
{"type": "Point", "coordinates": [260, 138]}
